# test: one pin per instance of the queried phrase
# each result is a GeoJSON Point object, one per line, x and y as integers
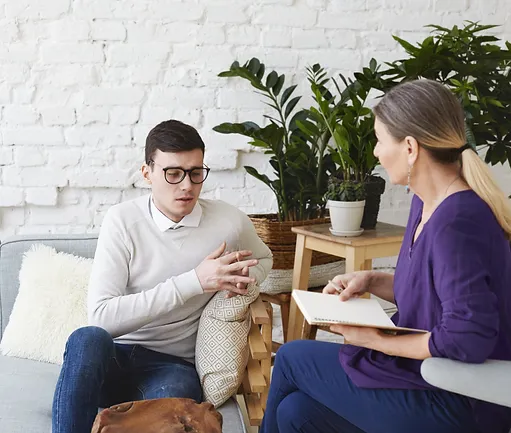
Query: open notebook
{"type": "Point", "coordinates": [323, 310]}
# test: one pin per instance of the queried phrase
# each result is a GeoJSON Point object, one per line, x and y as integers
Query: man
{"type": "Point", "coordinates": [159, 260]}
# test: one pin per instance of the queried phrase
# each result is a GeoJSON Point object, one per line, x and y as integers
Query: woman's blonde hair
{"type": "Point", "coordinates": [429, 112]}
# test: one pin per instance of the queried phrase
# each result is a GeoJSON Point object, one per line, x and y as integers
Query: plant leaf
{"type": "Point", "coordinates": [260, 72]}
{"type": "Point", "coordinates": [262, 177]}
{"type": "Point", "coordinates": [278, 86]}
{"type": "Point", "coordinates": [271, 79]}
{"type": "Point", "coordinates": [254, 65]}
{"type": "Point", "coordinates": [291, 105]}
{"type": "Point", "coordinates": [287, 93]}
{"type": "Point", "coordinates": [373, 65]}
{"type": "Point", "coordinates": [409, 48]}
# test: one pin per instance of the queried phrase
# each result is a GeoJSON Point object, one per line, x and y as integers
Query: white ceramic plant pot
{"type": "Point", "coordinates": [346, 216]}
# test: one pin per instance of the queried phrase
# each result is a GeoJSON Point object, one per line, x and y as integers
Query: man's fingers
{"type": "Point", "coordinates": [242, 289]}
{"type": "Point", "coordinates": [218, 252]}
{"type": "Point", "coordinates": [235, 291]}
{"type": "Point", "coordinates": [245, 273]}
{"type": "Point", "coordinates": [235, 279]}
{"type": "Point", "coordinates": [239, 266]}
{"type": "Point", "coordinates": [234, 257]}
{"type": "Point", "coordinates": [233, 288]}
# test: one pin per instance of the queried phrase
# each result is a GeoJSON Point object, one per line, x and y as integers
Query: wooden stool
{"type": "Point", "coordinates": [383, 241]}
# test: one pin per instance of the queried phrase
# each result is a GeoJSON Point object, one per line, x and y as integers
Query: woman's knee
{"type": "Point", "coordinates": [88, 343]}
{"type": "Point", "coordinates": [292, 412]}
{"type": "Point", "coordinates": [293, 352]}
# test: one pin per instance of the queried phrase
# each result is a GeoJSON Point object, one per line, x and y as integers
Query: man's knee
{"type": "Point", "coordinates": [173, 390]}
{"type": "Point", "coordinates": [179, 383]}
{"type": "Point", "coordinates": [90, 343]}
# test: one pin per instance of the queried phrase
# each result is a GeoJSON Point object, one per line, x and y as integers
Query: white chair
{"type": "Point", "coordinates": [489, 381]}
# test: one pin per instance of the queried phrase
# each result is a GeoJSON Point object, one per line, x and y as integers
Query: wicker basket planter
{"type": "Point", "coordinates": [282, 241]}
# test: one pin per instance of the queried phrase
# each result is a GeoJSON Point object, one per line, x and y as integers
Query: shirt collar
{"type": "Point", "coordinates": [164, 223]}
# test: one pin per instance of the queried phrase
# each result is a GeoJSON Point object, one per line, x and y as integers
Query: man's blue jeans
{"type": "Point", "coordinates": [99, 373]}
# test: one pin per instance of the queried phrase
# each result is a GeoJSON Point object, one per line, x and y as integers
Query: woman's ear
{"type": "Point", "coordinates": [412, 148]}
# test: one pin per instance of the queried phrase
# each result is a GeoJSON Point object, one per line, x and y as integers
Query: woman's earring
{"type": "Point", "coordinates": [408, 181]}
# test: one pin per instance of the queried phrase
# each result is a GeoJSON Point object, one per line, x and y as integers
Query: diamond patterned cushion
{"type": "Point", "coordinates": [221, 352]}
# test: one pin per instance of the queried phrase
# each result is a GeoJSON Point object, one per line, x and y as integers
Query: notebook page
{"type": "Point", "coordinates": [323, 308]}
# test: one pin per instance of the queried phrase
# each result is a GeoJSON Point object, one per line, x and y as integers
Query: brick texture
{"type": "Point", "coordinates": [82, 82]}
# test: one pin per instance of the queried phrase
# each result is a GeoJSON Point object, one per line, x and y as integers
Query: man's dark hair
{"type": "Point", "coordinates": [172, 136]}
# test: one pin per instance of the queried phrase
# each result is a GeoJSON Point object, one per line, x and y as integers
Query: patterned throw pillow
{"type": "Point", "coordinates": [221, 352]}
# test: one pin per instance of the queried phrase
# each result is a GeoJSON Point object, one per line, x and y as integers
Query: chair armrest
{"type": "Point", "coordinates": [256, 381]}
{"type": "Point", "coordinates": [489, 381]}
{"type": "Point", "coordinates": [258, 312]}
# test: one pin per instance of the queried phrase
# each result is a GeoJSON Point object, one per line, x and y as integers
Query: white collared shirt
{"type": "Point", "coordinates": [164, 223]}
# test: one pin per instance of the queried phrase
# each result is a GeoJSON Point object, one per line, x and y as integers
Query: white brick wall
{"type": "Point", "coordinates": [83, 81]}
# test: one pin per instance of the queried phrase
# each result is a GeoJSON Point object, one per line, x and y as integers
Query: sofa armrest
{"type": "Point", "coordinates": [489, 381]}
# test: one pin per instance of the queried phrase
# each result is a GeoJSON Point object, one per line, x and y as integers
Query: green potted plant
{"type": "Point", "coordinates": [300, 161]}
{"type": "Point", "coordinates": [346, 201]}
{"type": "Point", "coordinates": [476, 67]}
{"type": "Point", "coordinates": [351, 126]}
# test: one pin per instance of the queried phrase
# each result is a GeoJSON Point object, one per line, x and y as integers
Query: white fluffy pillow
{"type": "Point", "coordinates": [51, 304]}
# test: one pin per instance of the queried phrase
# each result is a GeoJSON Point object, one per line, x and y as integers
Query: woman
{"type": "Point", "coordinates": [453, 278]}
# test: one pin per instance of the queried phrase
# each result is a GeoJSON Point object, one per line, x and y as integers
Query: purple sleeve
{"type": "Point", "coordinates": [469, 324]}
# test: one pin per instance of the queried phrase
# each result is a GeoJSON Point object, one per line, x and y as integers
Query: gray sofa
{"type": "Point", "coordinates": [26, 387]}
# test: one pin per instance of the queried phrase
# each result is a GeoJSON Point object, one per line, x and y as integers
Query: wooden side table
{"type": "Point", "coordinates": [384, 241]}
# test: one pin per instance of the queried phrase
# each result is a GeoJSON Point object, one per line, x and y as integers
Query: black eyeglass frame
{"type": "Point", "coordinates": [185, 172]}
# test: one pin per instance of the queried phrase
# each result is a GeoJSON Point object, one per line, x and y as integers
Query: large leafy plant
{"type": "Point", "coordinates": [477, 69]}
{"type": "Point", "coordinates": [347, 120]}
{"type": "Point", "coordinates": [298, 158]}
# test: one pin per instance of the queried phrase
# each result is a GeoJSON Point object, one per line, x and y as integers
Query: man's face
{"type": "Point", "coordinates": [174, 200]}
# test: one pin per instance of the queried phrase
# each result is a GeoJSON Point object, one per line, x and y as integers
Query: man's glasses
{"type": "Point", "coordinates": [174, 175]}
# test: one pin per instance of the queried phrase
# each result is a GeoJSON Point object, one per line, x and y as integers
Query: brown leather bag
{"type": "Point", "coordinates": [163, 415]}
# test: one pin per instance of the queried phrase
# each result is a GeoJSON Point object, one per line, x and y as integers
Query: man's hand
{"type": "Point", "coordinates": [226, 272]}
{"type": "Point", "coordinates": [241, 286]}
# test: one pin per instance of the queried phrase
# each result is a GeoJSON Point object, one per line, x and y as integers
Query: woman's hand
{"type": "Point", "coordinates": [413, 346]}
{"type": "Point", "coordinates": [358, 335]}
{"type": "Point", "coordinates": [353, 285]}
